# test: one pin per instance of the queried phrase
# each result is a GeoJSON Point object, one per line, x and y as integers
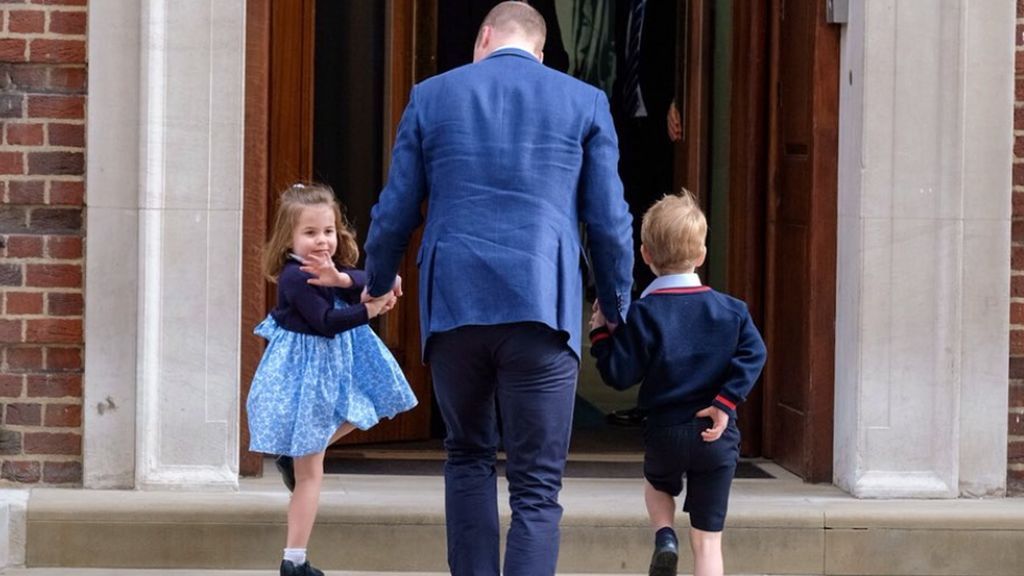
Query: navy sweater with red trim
{"type": "Point", "coordinates": [688, 348]}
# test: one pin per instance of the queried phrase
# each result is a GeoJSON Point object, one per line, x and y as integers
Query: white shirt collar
{"type": "Point", "coordinates": [691, 280]}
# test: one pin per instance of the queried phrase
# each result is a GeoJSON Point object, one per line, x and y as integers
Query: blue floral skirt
{"type": "Point", "coordinates": [306, 386]}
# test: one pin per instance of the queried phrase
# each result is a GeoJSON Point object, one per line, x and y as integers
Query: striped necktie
{"type": "Point", "coordinates": [632, 86]}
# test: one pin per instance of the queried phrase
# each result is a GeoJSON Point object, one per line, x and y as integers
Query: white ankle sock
{"type": "Point", "coordinates": [296, 556]}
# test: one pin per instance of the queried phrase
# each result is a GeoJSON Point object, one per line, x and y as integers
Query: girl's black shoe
{"type": "Point", "coordinates": [286, 466]}
{"type": "Point", "coordinates": [289, 568]}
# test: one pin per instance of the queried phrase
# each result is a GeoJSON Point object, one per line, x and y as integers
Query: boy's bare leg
{"type": "Point", "coordinates": [661, 507]}
{"type": "Point", "coordinates": [707, 553]}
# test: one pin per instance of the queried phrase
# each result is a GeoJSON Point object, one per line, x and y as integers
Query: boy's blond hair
{"type": "Point", "coordinates": [674, 231]}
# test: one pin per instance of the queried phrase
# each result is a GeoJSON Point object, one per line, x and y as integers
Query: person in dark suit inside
{"type": "Point", "coordinates": [644, 89]}
{"type": "Point", "coordinates": [510, 156]}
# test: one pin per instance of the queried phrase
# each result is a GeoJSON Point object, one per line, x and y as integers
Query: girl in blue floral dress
{"type": "Point", "coordinates": [324, 372]}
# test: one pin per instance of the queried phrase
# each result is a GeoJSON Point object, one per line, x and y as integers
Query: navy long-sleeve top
{"type": "Point", "coordinates": [688, 347]}
{"type": "Point", "coordinates": [303, 307]}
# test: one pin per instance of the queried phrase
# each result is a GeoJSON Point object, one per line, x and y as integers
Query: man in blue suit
{"type": "Point", "coordinates": [511, 157]}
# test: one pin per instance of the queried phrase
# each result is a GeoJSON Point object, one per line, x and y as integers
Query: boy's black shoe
{"type": "Point", "coordinates": [288, 568]}
{"type": "Point", "coordinates": [286, 466]}
{"type": "Point", "coordinates": [666, 554]}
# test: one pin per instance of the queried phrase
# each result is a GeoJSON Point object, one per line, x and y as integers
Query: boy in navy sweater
{"type": "Point", "coordinates": [696, 354]}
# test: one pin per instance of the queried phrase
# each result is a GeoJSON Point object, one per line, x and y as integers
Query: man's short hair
{"type": "Point", "coordinates": [674, 231]}
{"type": "Point", "coordinates": [518, 17]}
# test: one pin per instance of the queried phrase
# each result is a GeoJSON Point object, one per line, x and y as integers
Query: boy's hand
{"type": "Point", "coordinates": [324, 272]}
{"type": "Point", "coordinates": [720, 419]}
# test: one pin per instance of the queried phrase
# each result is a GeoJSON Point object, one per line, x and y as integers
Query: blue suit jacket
{"type": "Point", "coordinates": [511, 157]}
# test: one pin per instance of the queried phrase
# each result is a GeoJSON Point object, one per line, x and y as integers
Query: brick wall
{"type": "Point", "coordinates": [1015, 478]}
{"type": "Point", "coordinates": [42, 166]}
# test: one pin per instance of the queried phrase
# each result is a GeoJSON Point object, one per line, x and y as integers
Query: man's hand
{"type": "Point", "coordinates": [720, 419]}
{"type": "Point", "coordinates": [380, 305]}
{"type": "Point", "coordinates": [673, 123]}
{"type": "Point", "coordinates": [597, 319]}
{"type": "Point", "coordinates": [324, 272]}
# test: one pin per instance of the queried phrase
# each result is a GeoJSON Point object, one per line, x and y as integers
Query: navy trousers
{"type": "Point", "coordinates": [529, 369]}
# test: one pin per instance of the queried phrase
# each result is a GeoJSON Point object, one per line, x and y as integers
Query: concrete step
{"type": "Point", "coordinates": [396, 524]}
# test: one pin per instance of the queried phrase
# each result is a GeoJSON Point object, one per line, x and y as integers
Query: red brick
{"type": "Point", "coordinates": [68, 78]}
{"type": "Point", "coordinates": [25, 358]}
{"type": "Point", "coordinates": [24, 303]}
{"type": "Point", "coordinates": [1017, 286]}
{"type": "Point", "coordinates": [51, 443]}
{"type": "Point", "coordinates": [65, 304]}
{"type": "Point", "coordinates": [25, 134]}
{"type": "Point", "coordinates": [26, 21]}
{"type": "Point", "coordinates": [1017, 231]}
{"type": "Point", "coordinates": [11, 385]}
{"type": "Point", "coordinates": [54, 386]}
{"type": "Point", "coordinates": [10, 274]}
{"type": "Point", "coordinates": [1016, 395]}
{"type": "Point", "coordinates": [71, 135]}
{"type": "Point", "coordinates": [46, 50]}
{"type": "Point", "coordinates": [12, 163]}
{"type": "Point", "coordinates": [62, 473]}
{"type": "Point", "coordinates": [54, 275]}
{"type": "Point", "coordinates": [23, 414]}
{"type": "Point", "coordinates": [1016, 313]}
{"type": "Point", "coordinates": [1018, 175]}
{"type": "Point", "coordinates": [1017, 342]}
{"type": "Point", "coordinates": [1018, 89]}
{"type": "Point", "coordinates": [55, 220]}
{"type": "Point", "coordinates": [61, 2]}
{"type": "Point", "coordinates": [63, 415]}
{"type": "Point", "coordinates": [24, 246]}
{"type": "Point", "coordinates": [12, 50]}
{"type": "Point", "coordinates": [56, 163]}
{"type": "Point", "coordinates": [1016, 423]}
{"type": "Point", "coordinates": [63, 359]}
{"type": "Point", "coordinates": [67, 22]}
{"type": "Point", "coordinates": [27, 192]}
{"type": "Point", "coordinates": [56, 106]}
{"type": "Point", "coordinates": [1015, 452]}
{"type": "Point", "coordinates": [10, 330]}
{"type": "Point", "coordinates": [64, 193]}
{"type": "Point", "coordinates": [23, 472]}
{"type": "Point", "coordinates": [64, 247]}
{"type": "Point", "coordinates": [53, 331]}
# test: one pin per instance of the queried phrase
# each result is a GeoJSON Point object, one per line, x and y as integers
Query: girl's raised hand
{"type": "Point", "coordinates": [324, 272]}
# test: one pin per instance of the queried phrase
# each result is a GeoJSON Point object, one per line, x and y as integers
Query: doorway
{"type": "Point", "coordinates": [756, 87]}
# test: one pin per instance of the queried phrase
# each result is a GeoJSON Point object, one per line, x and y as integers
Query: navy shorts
{"type": "Point", "coordinates": [677, 450]}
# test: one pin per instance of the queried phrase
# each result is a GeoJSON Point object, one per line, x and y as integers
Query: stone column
{"type": "Point", "coordinates": [926, 116]}
{"type": "Point", "coordinates": [163, 262]}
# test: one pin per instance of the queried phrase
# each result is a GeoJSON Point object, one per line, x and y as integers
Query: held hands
{"type": "Point", "coordinates": [380, 305]}
{"type": "Point", "coordinates": [324, 272]}
{"type": "Point", "coordinates": [597, 319]}
{"type": "Point", "coordinates": [388, 300]}
{"type": "Point", "coordinates": [720, 419]}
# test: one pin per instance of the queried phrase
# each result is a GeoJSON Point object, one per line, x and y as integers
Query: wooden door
{"type": "Point", "coordinates": [280, 129]}
{"type": "Point", "coordinates": [800, 274]}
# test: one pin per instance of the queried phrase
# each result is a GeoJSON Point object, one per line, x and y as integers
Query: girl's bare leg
{"type": "Point", "coordinates": [309, 475]}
